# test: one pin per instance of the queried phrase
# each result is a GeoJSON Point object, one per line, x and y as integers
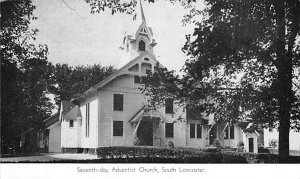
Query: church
{"type": "Point", "coordinates": [111, 113]}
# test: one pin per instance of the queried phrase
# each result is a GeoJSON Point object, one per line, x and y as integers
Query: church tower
{"type": "Point", "coordinates": [139, 42]}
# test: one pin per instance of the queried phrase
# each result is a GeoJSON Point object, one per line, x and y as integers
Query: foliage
{"type": "Point", "coordinates": [242, 64]}
{"type": "Point", "coordinates": [138, 142]}
{"type": "Point", "coordinates": [70, 81]}
{"type": "Point", "coordinates": [273, 143]}
{"type": "Point", "coordinates": [182, 155]}
{"type": "Point", "coordinates": [25, 73]}
{"type": "Point", "coordinates": [171, 145]}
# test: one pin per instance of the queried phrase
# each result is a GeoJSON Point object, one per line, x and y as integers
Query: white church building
{"type": "Point", "coordinates": [111, 113]}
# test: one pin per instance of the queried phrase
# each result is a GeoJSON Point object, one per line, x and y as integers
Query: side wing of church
{"type": "Point", "coordinates": [111, 113]}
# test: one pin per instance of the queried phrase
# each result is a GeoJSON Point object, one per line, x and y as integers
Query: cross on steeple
{"type": "Point", "coordinates": [142, 12]}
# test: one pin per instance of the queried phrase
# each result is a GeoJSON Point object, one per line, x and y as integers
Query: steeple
{"type": "Point", "coordinates": [142, 12]}
{"type": "Point", "coordinates": [140, 41]}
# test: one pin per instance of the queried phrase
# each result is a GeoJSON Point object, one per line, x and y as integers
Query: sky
{"type": "Point", "coordinates": [77, 37]}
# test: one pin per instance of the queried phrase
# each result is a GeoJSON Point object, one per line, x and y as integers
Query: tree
{"type": "Point", "coordinates": [72, 81]}
{"type": "Point", "coordinates": [25, 72]}
{"type": "Point", "coordinates": [243, 56]}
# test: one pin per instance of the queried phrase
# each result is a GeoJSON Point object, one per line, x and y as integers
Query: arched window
{"type": "Point", "coordinates": [142, 45]}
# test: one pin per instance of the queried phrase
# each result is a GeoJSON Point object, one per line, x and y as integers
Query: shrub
{"type": "Point", "coordinates": [240, 147]}
{"type": "Point", "coordinates": [273, 143]}
{"type": "Point", "coordinates": [181, 155]}
{"type": "Point", "coordinates": [138, 142]}
{"type": "Point", "coordinates": [171, 145]}
{"type": "Point", "coordinates": [216, 143]}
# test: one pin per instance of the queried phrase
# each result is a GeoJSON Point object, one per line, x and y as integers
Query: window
{"type": "Point", "coordinates": [141, 45]}
{"type": "Point", "coordinates": [226, 133]}
{"type": "Point", "coordinates": [137, 79]}
{"type": "Point", "coordinates": [87, 120]}
{"type": "Point", "coordinates": [229, 132]}
{"type": "Point", "coordinates": [199, 131]}
{"type": "Point", "coordinates": [71, 123]}
{"type": "Point", "coordinates": [117, 128]}
{"type": "Point", "coordinates": [195, 132]}
{"type": "Point", "coordinates": [169, 106]}
{"type": "Point", "coordinates": [232, 132]}
{"type": "Point", "coordinates": [192, 130]}
{"type": "Point", "coordinates": [143, 79]}
{"type": "Point", "coordinates": [118, 102]}
{"type": "Point", "coordinates": [146, 59]}
{"type": "Point", "coordinates": [169, 130]}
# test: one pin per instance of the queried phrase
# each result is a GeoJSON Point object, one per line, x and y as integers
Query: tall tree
{"type": "Point", "coordinates": [243, 56]}
{"type": "Point", "coordinates": [72, 81]}
{"type": "Point", "coordinates": [25, 72]}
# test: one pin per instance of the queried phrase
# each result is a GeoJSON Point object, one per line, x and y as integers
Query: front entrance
{"type": "Point", "coordinates": [251, 145]}
{"type": "Point", "coordinates": [145, 132]}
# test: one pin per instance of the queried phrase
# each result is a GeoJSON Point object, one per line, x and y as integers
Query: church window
{"type": "Point", "coordinates": [71, 124]}
{"type": "Point", "coordinates": [137, 79]}
{"type": "Point", "coordinates": [143, 79]}
{"type": "Point", "coordinates": [226, 133]}
{"type": "Point", "coordinates": [141, 45]}
{"type": "Point", "coordinates": [118, 102]}
{"type": "Point", "coordinates": [146, 59]}
{"type": "Point", "coordinates": [229, 132]}
{"type": "Point", "coordinates": [192, 130]}
{"type": "Point", "coordinates": [169, 130]}
{"type": "Point", "coordinates": [117, 128]}
{"type": "Point", "coordinates": [199, 131]}
{"type": "Point", "coordinates": [169, 106]}
{"type": "Point", "coordinates": [232, 132]}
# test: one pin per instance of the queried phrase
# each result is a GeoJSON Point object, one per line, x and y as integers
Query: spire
{"type": "Point", "coordinates": [142, 12]}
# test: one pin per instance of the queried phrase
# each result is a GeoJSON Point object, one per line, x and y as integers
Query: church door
{"type": "Point", "coordinates": [145, 132]}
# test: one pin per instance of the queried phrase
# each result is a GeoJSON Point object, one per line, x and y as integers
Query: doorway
{"type": "Point", "coordinates": [251, 145]}
{"type": "Point", "coordinates": [145, 132]}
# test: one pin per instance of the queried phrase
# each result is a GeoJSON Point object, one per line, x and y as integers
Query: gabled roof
{"type": "Point", "coordinates": [73, 113]}
{"type": "Point", "coordinates": [66, 106]}
{"type": "Point", "coordinates": [51, 120]}
{"type": "Point", "coordinates": [119, 72]}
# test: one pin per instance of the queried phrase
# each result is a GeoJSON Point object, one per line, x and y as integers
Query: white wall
{"type": "Point", "coordinates": [196, 142]}
{"type": "Point", "coordinates": [90, 141]}
{"type": "Point", "coordinates": [246, 137]}
{"type": "Point", "coordinates": [55, 137]}
{"type": "Point", "coordinates": [133, 101]}
{"type": "Point", "coordinates": [70, 135]}
{"type": "Point", "coordinates": [294, 138]}
{"type": "Point", "coordinates": [232, 143]}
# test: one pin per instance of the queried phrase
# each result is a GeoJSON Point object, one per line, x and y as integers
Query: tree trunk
{"type": "Point", "coordinates": [284, 91]}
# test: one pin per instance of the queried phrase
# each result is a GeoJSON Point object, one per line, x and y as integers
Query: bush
{"type": "Point", "coordinates": [171, 145]}
{"type": "Point", "coordinates": [138, 142]}
{"type": "Point", "coordinates": [273, 143]}
{"type": "Point", "coordinates": [240, 147]}
{"type": "Point", "coordinates": [181, 155]}
{"type": "Point", "coordinates": [216, 143]}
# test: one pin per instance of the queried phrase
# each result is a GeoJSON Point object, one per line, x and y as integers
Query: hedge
{"type": "Point", "coordinates": [182, 155]}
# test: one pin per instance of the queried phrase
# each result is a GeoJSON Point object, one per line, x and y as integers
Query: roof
{"type": "Point", "coordinates": [153, 114]}
{"type": "Point", "coordinates": [118, 73]}
{"type": "Point", "coordinates": [51, 120]}
{"type": "Point", "coordinates": [66, 106]}
{"type": "Point", "coordinates": [73, 113]}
